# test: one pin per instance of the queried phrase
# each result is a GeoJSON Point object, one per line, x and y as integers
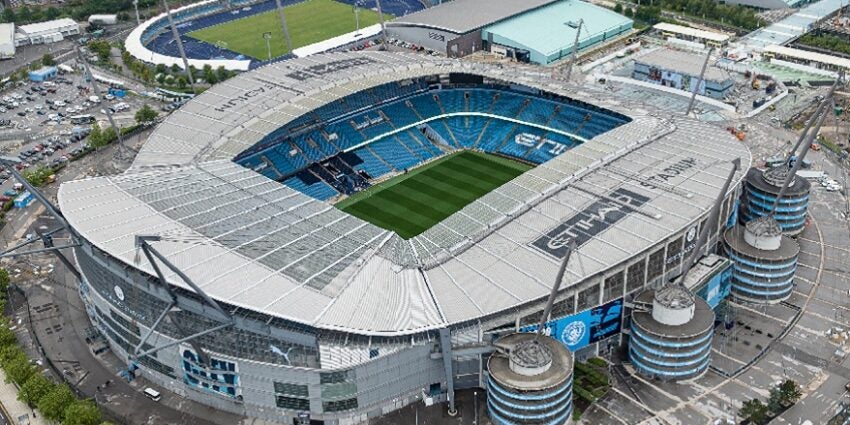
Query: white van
{"type": "Point", "coordinates": [152, 394]}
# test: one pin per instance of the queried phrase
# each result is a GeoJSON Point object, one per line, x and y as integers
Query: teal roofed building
{"type": "Point", "coordinates": [546, 35]}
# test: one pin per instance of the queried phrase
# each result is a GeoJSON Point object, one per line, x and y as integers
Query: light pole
{"type": "Point", "coordinates": [136, 6]}
{"type": "Point", "coordinates": [268, 36]}
{"type": "Point", "coordinates": [356, 18]}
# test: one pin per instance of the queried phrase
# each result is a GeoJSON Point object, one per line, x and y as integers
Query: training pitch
{"type": "Point", "coordinates": [308, 22]}
{"type": "Point", "coordinates": [411, 203]}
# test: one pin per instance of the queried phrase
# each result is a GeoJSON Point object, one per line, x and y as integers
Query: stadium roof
{"type": "Point", "coordinates": [692, 32]}
{"type": "Point", "coordinates": [255, 243]}
{"type": "Point", "coordinates": [548, 30]}
{"type": "Point", "coordinates": [686, 63]}
{"type": "Point", "coordinates": [820, 58]}
{"type": "Point", "coordinates": [47, 27]}
{"type": "Point", "coordinates": [463, 16]}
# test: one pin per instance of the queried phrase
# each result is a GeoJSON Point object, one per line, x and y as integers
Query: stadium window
{"type": "Point", "coordinates": [635, 276]}
{"type": "Point", "coordinates": [292, 403]}
{"type": "Point", "coordinates": [564, 307]}
{"type": "Point", "coordinates": [287, 388]}
{"type": "Point", "coordinates": [674, 251]}
{"type": "Point", "coordinates": [335, 377]}
{"type": "Point", "coordinates": [613, 287]}
{"type": "Point", "coordinates": [588, 298]}
{"type": "Point", "coordinates": [656, 265]}
{"type": "Point", "coordinates": [337, 406]}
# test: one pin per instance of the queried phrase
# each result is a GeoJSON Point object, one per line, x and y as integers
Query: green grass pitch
{"type": "Point", "coordinates": [308, 22]}
{"type": "Point", "coordinates": [411, 203]}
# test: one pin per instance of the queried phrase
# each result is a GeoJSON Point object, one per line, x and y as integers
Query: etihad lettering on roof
{"type": "Point", "coordinates": [669, 172]}
{"type": "Point", "coordinates": [244, 97]}
{"type": "Point", "coordinates": [329, 68]}
{"type": "Point", "coordinates": [589, 222]}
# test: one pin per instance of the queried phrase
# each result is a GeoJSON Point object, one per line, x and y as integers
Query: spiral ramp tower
{"type": "Point", "coordinates": [530, 381]}
{"type": "Point", "coordinates": [761, 190]}
{"type": "Point", "coordinates": [671, 332]}
{"type": "Point", "coordinates": [764, 261]}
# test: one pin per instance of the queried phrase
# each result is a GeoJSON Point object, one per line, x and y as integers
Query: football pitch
{"type": "Point", "coordinates": [411, 203]}
{"type": "Point", "coordinates": [308, 22]}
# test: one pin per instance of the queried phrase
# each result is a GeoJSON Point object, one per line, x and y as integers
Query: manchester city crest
{"type": "Point", "coordinates": [573, 333]}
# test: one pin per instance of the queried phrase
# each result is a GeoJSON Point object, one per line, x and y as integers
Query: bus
{"type": "Point", "coordinates": [82, 119]}
{"type": "Point", "coordinates": [173, 95]}
{"type": "Point", "coordinates": [152, 394]}
{"type": "Point", "coordinates": [108, 81]}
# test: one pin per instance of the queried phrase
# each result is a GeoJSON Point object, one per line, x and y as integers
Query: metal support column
{"type": "Point", "coordinates": [383, 27]}
{"type": "Point", "coordinates": [699, 81]}
{"type": "Point", "coordinates": [121, 153]}
{"type": "Point", "coordinates": [574, 51]}
{"type": "Point", "coordinates": [446, 348]}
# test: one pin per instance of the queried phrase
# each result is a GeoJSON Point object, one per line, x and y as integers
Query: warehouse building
{"type": "Point", "coordinates": [547, 34]}
{"type": "Point", "coordinates": [46, 32]}
{"type": "Point", "coordinates": [455, 27]}
{"type": "Point", "coordinates": [7, 41]}
{"type": "Point", "coordinates": [680, 70]}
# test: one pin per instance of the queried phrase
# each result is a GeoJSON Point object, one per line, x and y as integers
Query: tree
{"type": "Point", "coordinates": [754, 410]}
{"type": "Point", "coordinates": [52, 13]}
{"type": "Point", "coordinates": [146, 114]}
{"type": "Point", "coordinates": [618, 8]}
{"type": "Point", "coordinates": [181, 83]}
{"type": "Point", "coordinates": [9, 15]}
{"type": "Point", "coordinates": [629, 12]}
{"type": "Point", "coordinates": [18, 369]}
{"type": "Point", "coordinates": [36, 387]}
{"type": "Point", "coordinates": [7, 338]}
{"type": "Point", "coordinates": [174, 68]}
{"type": "Point", "coordinates": [789, 392]}
{"type": "Point", "coordinates": [4, 280]}
{"type": "Point", "coordinates": [161, 69]}
{"type": "Point", "coordinates": [222, 73]}
{"type": "Point", "coordinates": [47, 60]}
{"type": "Point", "coordinates": [37, 176]}
{"type": "Point", "coordinates": [81, 412]}
{"type": "Point", "coordinates": [54, 403]}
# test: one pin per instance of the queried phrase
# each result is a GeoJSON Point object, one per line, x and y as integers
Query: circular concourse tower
{"type": "Point", "coordinates": [530, 381]}
{"type": "Point", "coordinates": [671, 334]}
{"type": "Point", "coordinates": [763, 261]}
{"type": "Point", "coordinates": [760, 191]}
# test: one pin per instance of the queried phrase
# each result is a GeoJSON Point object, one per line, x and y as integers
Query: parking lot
{"type": "Point", "coordinates": [45, 123]}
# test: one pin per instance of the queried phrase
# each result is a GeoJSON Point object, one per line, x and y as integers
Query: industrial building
{"type": "Point", "coordinates": [286, 307]}
{"type": "Point", "coordinates": [679, 34]}
{"type": "Point", "coordinates": [43, 74]}
{"type": "Point", "coordinates": [7, 41]}
{"type": "Point", "coordinates": [808, 61]}
{"type": "Point", "coordinates": [539, 31]}
{"type": "Point", "coordinates": [103, 19]}
{"type": "Point", "coordinates": [455, 27]}
{"type": "Point", "coordinates": [547, 34]}
{"type": "Point", "coordinates": [770, 4]}
{"type": "Point", "coordinates": [680, 70]}
{"type": "Point", "coordinates": [47, 32]}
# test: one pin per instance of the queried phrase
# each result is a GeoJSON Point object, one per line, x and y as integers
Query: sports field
{"type": "Point", "coordinates": [413, 202]}
{"type": "Point", "coordinates": [308, 22]}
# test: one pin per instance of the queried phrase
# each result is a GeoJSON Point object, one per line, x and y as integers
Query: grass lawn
{"type": "Point", "coordinates": [309, 22]}
{"type": "Point", "coordinates": [413, 202]}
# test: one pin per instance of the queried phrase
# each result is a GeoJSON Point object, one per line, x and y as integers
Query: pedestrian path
{"type": "Point", "coordinates": [18, 413]}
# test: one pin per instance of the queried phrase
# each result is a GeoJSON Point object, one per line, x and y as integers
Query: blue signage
{"type": "Point", "coordinates": [717, 288]}
{"type": "Point", "coordinates": [733, 215]}
{"type": "Point", "coordinates": [581, 329]}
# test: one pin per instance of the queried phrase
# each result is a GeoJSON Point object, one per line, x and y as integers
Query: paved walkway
{"type": "Point", "coordinates": [17, 413]}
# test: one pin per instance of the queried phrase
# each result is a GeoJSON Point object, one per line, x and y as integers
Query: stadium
{"type": "Point", "coordinates": [351, 231]}
{"type": "Point", "coordinates": [230, 33]}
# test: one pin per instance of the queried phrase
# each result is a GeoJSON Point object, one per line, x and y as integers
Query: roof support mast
{"type": "Point", "coordinates": [699, 81]}
{"type": "Point", "coordinates": [283, 26]}
{"type": "Point", "coordinates": [713, 216]}
{"type": "Point", "coordinates": [574, 51]}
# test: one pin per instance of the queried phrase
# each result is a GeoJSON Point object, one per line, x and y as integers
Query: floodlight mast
{"type": "Point", "coordinates": [180, 49]}
{"type": "Point", "coordinates": [283, 26]}
{"type": "Point", "coordinates": [574, 51]}
{"type": "Point", "coordinates": [121, 152]}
